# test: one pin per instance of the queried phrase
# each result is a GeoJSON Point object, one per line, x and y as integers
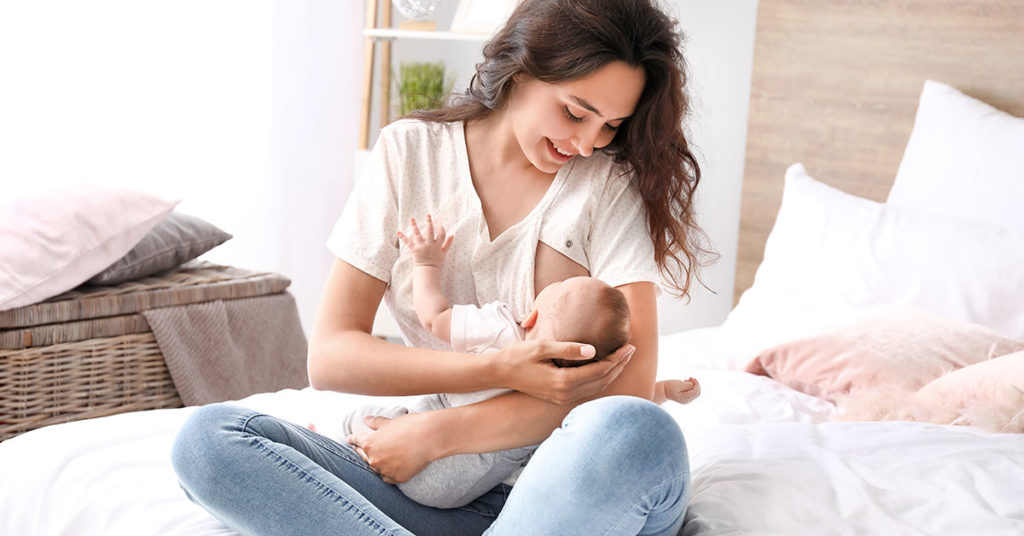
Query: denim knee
{"type": "Point", "coordinates": [196, 449]}
{"type": "Point", "coordinates": [632, 428]}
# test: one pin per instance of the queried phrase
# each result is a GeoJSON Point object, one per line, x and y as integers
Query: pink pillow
{"type": "Point", "coordinates": [54, 241]}
{"type": "Point", "coordinates": [989, 394]}
{"type": "Point", "coordinates": [892, 347]}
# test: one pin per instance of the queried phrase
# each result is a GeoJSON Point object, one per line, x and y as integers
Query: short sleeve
{"type": "Point", "coordinates": [489, 327]}
{"type": "Point", "coordinates": [620, 249]}
{"type": "Point", "coordinates": [364, 235]}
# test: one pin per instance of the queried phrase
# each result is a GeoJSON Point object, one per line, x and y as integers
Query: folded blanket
{"type": "Point", "coordinates": [226, 350]}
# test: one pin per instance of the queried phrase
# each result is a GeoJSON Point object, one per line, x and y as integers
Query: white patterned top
{"type": "Point", "coordinates": [591, 213]}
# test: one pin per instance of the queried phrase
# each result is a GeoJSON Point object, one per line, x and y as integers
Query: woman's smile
{"type": "Point", "coordinates": [557, 153]}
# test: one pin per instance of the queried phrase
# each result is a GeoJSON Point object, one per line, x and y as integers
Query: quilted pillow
{"type": "Point", "coordinates": [177, 239]}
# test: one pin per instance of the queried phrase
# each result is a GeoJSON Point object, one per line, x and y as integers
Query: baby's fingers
{"type": "Point", "coordinates": [439, 233]}
{"type": "Point", "coordinates": [405, 239]}
{"type": "Point", "coordinates": [415, 229]}
{"type": "Point", "coordinates": [443, 237]}
{"type": "Point", "coordinates": [429, 228]}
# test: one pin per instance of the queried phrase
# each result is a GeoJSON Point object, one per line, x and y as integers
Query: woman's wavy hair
{"type": "Point", "coordinates": [557, 41]}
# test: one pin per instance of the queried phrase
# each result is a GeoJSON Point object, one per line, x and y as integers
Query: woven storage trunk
{"type": "Point", "coordinates": [89, 352]}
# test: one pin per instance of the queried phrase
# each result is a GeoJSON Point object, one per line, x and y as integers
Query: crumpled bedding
{"type": "Point", "coordinates": [764, 460]}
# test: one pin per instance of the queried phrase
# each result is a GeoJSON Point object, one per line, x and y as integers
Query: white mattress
{"type": "Point", "coordinates": [764, 461]}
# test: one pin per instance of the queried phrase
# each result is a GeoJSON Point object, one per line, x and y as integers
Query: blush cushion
{"type": "Point", "coordinates": [891, 347]}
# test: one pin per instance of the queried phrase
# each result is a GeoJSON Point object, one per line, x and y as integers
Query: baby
{"type": "Point", "coordinates": [580, 309]}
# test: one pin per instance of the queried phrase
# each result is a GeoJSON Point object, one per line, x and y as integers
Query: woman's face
{"type": "Point", "coordinates": [554, 122]}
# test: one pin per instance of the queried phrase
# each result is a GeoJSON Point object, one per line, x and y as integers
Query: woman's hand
{"type": "Point", "coordinates": [396, 449]}
{"type": "Point", "coordinates": [528, 367]}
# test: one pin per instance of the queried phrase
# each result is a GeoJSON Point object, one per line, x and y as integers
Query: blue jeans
{"type": "Point", "coordinates": [616, 466]}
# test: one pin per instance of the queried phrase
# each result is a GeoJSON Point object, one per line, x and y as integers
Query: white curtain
{"type": "Point", "coordinates": [245, 110]}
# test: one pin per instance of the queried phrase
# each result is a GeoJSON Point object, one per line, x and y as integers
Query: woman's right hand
{"type": "Point", "coordinates": [528, 367]}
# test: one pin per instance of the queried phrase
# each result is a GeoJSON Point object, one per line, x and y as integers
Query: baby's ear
{"type": "Point", "coordinates": [530, 320]}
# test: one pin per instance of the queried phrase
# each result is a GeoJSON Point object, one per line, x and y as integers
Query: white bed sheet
{"type": "Point", "coordinates": [855, 478]}
{"type": "Point", "coordinates": [763, 459]}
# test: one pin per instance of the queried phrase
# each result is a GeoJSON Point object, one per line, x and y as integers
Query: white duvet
{"type": "Point", "coordinates": [764, 460]}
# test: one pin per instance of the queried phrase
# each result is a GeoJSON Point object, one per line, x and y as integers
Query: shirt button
{"type": "Point", "coordinates": [568, 243]}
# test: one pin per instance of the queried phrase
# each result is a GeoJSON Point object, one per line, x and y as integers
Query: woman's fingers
{"type": "Point", "coordinates": [530, 367]}
{"type": "Point", "coordinates": [601, 375]}
{"type": "Point", "coordinates": [374, 422]}
{"type": "Point", "coordinates": [574, 383]}
{"type": "Point", "coordinates": [397, 450]}
{"type": "Point", "coordinates": [357, 441]}
{"type": "Point", "coordinates": [569, 350]}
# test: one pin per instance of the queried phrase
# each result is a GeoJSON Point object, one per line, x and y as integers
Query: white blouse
{"type": "Point", "coordinates": [591, 213]}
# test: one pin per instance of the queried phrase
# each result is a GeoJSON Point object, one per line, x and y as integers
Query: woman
{"type": "Point", "coordinates": [565, 157]}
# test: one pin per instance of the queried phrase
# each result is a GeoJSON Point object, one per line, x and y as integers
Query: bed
{"type": "Point", "coordinates": [869, 378]}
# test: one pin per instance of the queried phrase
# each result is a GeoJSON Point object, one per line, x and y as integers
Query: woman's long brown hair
{"type": "Point", "coordinates": [560, 40]}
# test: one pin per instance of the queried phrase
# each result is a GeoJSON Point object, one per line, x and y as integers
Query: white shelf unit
{"type": "Point", "coordinates": [381, 35]}
{"type": "Point", "coordinates": [391, 33]}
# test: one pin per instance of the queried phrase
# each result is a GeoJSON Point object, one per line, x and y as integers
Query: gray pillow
{"type": "Point", "coordinates": [177, 239]}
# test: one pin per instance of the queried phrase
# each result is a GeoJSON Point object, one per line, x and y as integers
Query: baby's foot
{"type": "Point", "coordinates": [682, 391]}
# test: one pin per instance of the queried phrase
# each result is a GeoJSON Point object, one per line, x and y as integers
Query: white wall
{"type": "Point", "coordinates": [244, 109]}
{"type": "Point", "coordinates": [719, 49]}
{"type": "Point", "coordinates": [317, 65]}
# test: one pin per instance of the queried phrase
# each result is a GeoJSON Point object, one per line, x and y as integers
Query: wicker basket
{"type": "Point", "coordinates": [89, 352]}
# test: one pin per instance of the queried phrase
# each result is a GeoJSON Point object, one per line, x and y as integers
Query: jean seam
{"type": "Point", "coordinates": [471, 509]}
{"type": "Point", "coordinates": [647, 495]}
{"type": "Point", "coordinates": [261, 443]}
{"type": "Point", "coordinates": [348, 457]}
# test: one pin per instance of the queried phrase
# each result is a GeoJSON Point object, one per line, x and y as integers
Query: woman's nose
{"type": "Point", "coordinates": [582, 148]}
{"type": "Point", "coordinates": [585, 140]}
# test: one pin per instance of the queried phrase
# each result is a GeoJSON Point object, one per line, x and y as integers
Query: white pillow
{"type": "Point", "coordinates": [964, 159]}
{"type": "Point", "coordinates": [51, 242]}
{"type": "Point", "coordinates": [831, 253]}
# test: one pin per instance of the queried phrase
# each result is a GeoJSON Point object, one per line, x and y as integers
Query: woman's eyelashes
{"type": "Point", "coordinates": [577, 119]}
{"type": "Point", "coordinates": [569, 115]}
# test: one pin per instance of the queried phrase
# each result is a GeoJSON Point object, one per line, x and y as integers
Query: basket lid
{"type": "Point", "coordinates": [193, 282]}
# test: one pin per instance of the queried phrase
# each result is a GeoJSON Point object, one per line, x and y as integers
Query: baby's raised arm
{"type": "Point", "coordinates": [428, 250]}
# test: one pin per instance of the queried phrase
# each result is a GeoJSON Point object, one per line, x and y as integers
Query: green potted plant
{"type": "Point", "coordinates": [422, 86]}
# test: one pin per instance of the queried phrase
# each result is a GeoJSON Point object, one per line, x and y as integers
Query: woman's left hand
{"type": "Point", "coordinates": [396, 449]}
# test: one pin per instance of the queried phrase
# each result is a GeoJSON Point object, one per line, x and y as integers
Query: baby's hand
{"type": "Point", "coordinates": [428, 248]}
{"type": "Point", "coordinates": [682, 391]}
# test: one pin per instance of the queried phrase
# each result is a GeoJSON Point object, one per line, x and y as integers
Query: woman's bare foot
{"type": "Point", "coordinates": [681, 391]}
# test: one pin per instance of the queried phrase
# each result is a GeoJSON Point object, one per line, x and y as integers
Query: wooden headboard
{"type": "Point", "coordinates": [836, 84]}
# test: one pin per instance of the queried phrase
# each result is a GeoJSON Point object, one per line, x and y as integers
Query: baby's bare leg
{"type": "Point", "coordinates": [681, 391]}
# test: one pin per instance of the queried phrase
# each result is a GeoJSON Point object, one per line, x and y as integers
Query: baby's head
{"type": "Point", "coordinates": [580, 309]}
